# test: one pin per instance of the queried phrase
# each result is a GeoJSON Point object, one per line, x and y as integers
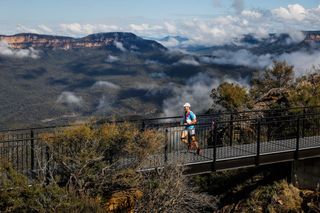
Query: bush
{"type": "Point", "coordinates": [18, 194]}
{"type": "Point", "coordinates": [101, 161]}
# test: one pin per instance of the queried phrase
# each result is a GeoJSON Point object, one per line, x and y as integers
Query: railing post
{"type": "Point", "coordinates": [47, 179]}
{"type": "Point", "coordinates": [268, 131]}
{"type": "Point", "coordinates": [143, 126]}
{"type": "Point", "coordinates": [215, 139]}
{"type": "Point", "coordinates": [303, 122]}
{"type": "Point", "coordinates": [231, 130]}
{"type": "Point", "coordinates": [166, 147]}
{"type": "Point", "coordinates": [258, 142]}
{"type": "Point", "coordinates": [32, 149]}
{"type": "Point", "coordinates": [296, 154]}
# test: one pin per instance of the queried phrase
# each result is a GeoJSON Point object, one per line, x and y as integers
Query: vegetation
{"type": "Point", "coordinates": [94, 169]}
{"type": "Point", "coordinates": [272, 88]}
{"type": "Point", "coordinates": [281, 75]}
{"type": "Point", "coordinates": [306, 90]}
{"type": "Point", "coordinates": [230, 96]}
{"type": "Point", "coordinates": [18, 194]}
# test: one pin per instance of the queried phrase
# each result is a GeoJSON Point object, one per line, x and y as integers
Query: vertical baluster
{"type": "Point", "coordinates": [215, 139]}
{"type": "Point", "coordinates": [166, 147]}
{"type": "Point", "coordinates": [32, 149]}
{"type": "Point", "coordinates": [296, 154]}
{"type": "Point", "coordinates": [258, 142]}
{"type": "Point", "coordinates": [231, 130]}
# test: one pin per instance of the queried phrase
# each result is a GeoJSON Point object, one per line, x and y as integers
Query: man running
{"type": "Point", "coordinates": [189, 133]}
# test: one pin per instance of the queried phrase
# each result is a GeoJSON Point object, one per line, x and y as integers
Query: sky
{"type": "Point", "coordinates": [203, 21]}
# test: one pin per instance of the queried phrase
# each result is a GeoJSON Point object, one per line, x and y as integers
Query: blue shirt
{"type": "Point", "coordinates": [189, 116]}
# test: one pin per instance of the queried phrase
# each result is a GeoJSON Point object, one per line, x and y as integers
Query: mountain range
{"type": "Point", "coordinates": [46, 80]}
{"type": "Point", "coordinates": [129, 41]}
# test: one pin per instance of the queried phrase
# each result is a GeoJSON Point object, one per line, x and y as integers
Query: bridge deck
{"type": "Point", "coordinates": [236, 152]}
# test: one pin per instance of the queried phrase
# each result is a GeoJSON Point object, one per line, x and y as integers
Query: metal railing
{"type": "Point", "coordinates": [220, 136]}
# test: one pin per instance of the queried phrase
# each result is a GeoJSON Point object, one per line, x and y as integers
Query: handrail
{"type": "Point", "coordinates": [218, 114]}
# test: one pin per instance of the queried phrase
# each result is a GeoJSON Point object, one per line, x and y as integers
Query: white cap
{"type": "Point", "coordinates": [186, 105]}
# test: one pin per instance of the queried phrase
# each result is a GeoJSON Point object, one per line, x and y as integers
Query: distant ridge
{"type": "Point", "coordinates": [124, 40]}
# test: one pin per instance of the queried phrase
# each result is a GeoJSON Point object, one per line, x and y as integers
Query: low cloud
{"type": "Point", "coordinates": [105, 84]}
{"type": "Point", "coordinates": [152, 62]}
{"type": "Point", "coordinates": [5, 50]}
{"type": "Point", "coordinates": [188, 61]}
{"type": "Point", "coordinates": [240, 58]}
{"type": "Point", "coordinates": [69, 98]}
{"type": "Point", "coordinates": [112, 59]}
{"type": "Point", "coordinates": [105, 105]}
{"type": "Point", "coordinates": [171, 42]}
{"type": "Point", "coordinates": [158, 75]}
{"type": "Point", "coordinates": [302, 61]}
{"type": "Point", "coordinates": [196, 92]}
{"type": "Point", "coordinates": [120, 46]}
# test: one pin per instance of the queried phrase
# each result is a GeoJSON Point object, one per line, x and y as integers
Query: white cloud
{"type": "Point", "coordinates": [171, 42]}
{"type": "Point", "coordinates": [105, 84]}
{"type": "Point", "coordinates": [188, 61]}
{"type": "Point", "coordinates": [40, 29]}
{"type": "Point", "coordinates": [119, 45]}
{"type": "Point", "coordinates": [45, 28]}
{"type": "Point", "coordinates": [151, 62]}
{"type": "Point", "coordinates": [76, 29]}
{"type": "Point", "coordinates": [251, 14]}
{"type": "Point", "coordinates": [144, 27]}
{"type": "Point", "coordinates": [293, 12]}
{"type": "Point", "coordinates": [296, 36]}
{"type": "Point", "coordinates": [73, 28]}
{"type": "Point", "coordinates": [303, 62]}
{"type": "Point", "coordinates": [217, 30]}
{"type": "Point", "coordinates": [112, 59]}
{"type": "Point", "coordinates": [171, 28]}
{"type": "Point", "coordinates": [24, 29]}
{"type": "Point", "coordinates": [18, 53]}
{"type": "Point", "coordinates": [196, 92]}
{"type": "Point", "coordinates": [105, 105]}
{"type": "Point", "coordinates": [240, 58]}
{"type": "Point", "coordinates": [69, 98]}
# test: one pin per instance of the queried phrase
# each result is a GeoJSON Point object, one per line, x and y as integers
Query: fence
{"type": "Point", "coordinates": [220, 136]}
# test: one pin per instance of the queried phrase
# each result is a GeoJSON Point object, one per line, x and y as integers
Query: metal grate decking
{"type": "Point", "coordinates": [185, 157]}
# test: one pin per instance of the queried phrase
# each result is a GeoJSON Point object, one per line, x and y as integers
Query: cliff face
{"type": "Point", "coordinates": [127, 40]}
{"type": "Point", "coordinates": [312, 36]}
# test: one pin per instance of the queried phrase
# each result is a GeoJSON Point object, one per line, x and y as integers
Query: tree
{"type": "Point", "coordinates": [168, 191]}
{"type": "Point", "coordinates": [230, 96]}
{"type": "Point", "coordinates": [306, 91]}
{"type": "Point", "coordinates": [19, 194]}
{"type": "Point", "coordinates": [281, 75]}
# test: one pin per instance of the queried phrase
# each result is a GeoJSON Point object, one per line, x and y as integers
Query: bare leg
{"type": "Point", "coordinates": [195, 144]}
{"type": "Point", "coordinates": [184, 137]}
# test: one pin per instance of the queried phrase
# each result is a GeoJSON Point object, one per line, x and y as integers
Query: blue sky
{"type": "Point", "coordinates": [33, 12]}
{"type": "Point", "coordinates": [201, 20]}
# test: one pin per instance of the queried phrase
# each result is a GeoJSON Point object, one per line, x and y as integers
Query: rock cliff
{"type": "Point", "coordinates": [120, 40]}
